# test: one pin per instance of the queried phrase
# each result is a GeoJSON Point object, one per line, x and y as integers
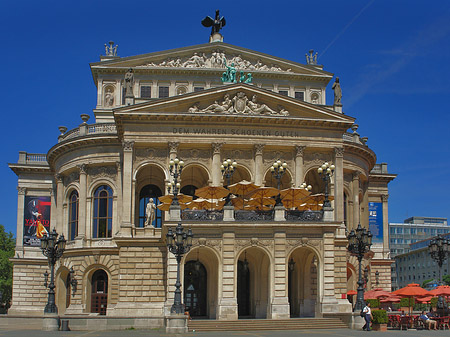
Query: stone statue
{"type": "Point", "coordinates": [194, 108]}
{"type": "Point", "coordinates": [111, 51]}
{"type": "Point", "coordinates": [150, 213]}
{"type": "Point", "coordinates": [109, 97]}
{"type": "Point", "coordinates": [311, 58]}
{"type": "Point", "coordinates": [249, 78]}
{"type": "Point", "coordinates": [259, 108]}
{"type": "Point", "coordinates": [337, 91]}
{"type": "Point", "coordinates": [129, 81]}
{"type": "Point", "coordinates": [216, 24]}
{"type": "Point", "coordinates": [223, 107]}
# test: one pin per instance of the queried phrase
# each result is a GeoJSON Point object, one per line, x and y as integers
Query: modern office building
{"type": "Point", "coordinates": [404, 236]}
{"type": "Point", "coordinates": [202, 104]}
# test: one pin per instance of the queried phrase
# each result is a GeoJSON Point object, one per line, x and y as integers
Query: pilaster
{"type": "Point", "coordinates": [329, 301]}
{"type": "Point", "coordinates": [259, 148]}
{"type": "Point", "coordinates": [339, 183]}
{"type": "Point", "coordinates": [384, 199]}
{"type": "Point", "coordinates": [215, 169]}
{"type": "Point", "coordinates": [127, 186]}
{"type": "Point", "coordinates": [20, 215]}
{"type": "Point", "coordinates": [355, 192]}
{"type": "Point", "coordinates": [280, 301]}
{"type": "Point", "coordinates": [299, 150]}
{"type": "Point", "coordinates": [82, 220]}
{"type": "Point", "coordinates": [59, 206]}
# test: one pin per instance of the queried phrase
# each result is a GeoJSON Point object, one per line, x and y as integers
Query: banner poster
{"type": "Point", "coordinates": [376, 221]}
{"type": "Point", "coordinates": [36, 222]}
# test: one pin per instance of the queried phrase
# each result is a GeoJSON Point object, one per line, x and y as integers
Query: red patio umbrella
{"type": "Point", "coordinates": [441, 291]}
{"type": "Point", "coordinates": [376, 293]}
{"type": "Point", "coordinates": [412, 290]}
{"type": "Point", "coordinates": [351, 292]}
{"type": "Point", "coordinates": [391, 299]}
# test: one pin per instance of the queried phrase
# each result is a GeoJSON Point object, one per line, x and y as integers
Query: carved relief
{"type": "Point", "coordinates": [173, 147]}
{"type": "Point", "coordinates": [142, 154]}
{"type": "Point", "coordinates": [103, 171]}
{"type": "Point", "coordinates": [304, 242]}
{"type": "Point", "coordinates": [254, 242]}
{"type": "Point", "coordinates": [215, 59]}
{"type": "Point", "coordinates": [259, 148]}
{"type": "Point", "coordinates": [272, 156]}
{"type": "Point", "coordinates": [339, 152]}
{"type": "Point", "coordinates": [195, 154]}
{"type": "Point", "coordinates": [72, 177]}
{"type": "Point", "coordinates": [215, 244]}
{"type": "Point", "coordinates": [216, 147]}
{"type": "Point", "coordinates": [299, 149]}
{"type": "Point", "coordinates": [82, 168]}
{"type": "Point", "coordinates": [384, 197]}
{"type": "Point", "coordinates": [128, 145]}
{"type": "Point", "coordinates": [108, 97]}
{"type": "Point", "coordinates": [239, 104]}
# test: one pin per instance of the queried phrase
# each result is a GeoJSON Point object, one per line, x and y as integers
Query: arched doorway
{"type": "Point", "coordinates": [303, 279]}
{"type": "Point", "coordinates": [253, 285]}
{"type": "Point", "coordinates": [99, 294]}
{"type": "Point", "coordinates": [195, 288]}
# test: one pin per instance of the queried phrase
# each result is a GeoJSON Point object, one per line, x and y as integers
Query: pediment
{"type": "Point", "coordinates": [211, 57]}
{"type": "Point", "coordinates": [235, 100]}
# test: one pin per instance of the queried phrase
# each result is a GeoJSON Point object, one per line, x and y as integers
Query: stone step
{"type": "Point", "coordinates": [266, 324]}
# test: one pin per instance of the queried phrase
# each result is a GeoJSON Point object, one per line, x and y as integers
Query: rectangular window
{"type": "Point", "coordinates": [163, 92]}
{"type": "Point", "coordinates": [300, 95]}
{"type": "Point", "coordinates": [283, 92]}
{"type": "Point", "coordinates": [146, 91]}
{"type": "Point", "coordinates": [198, 89]}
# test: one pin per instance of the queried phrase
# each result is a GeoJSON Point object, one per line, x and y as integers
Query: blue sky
{"type": "Point", "coordinates": [392, 58]}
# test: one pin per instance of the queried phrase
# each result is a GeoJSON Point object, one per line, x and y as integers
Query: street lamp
{"type": "Point", "coordinates": [326, 172]}
{"type": "Point", "coordinates": [359, 243]}
{"type": "Point", "coordinates": [175, 167]}
{"type": "Point", "coordinates": [178, 243]}
{"type": "Point", "coordinates": [439, 249]}
{"type": "Point", "coordinates": [53, 248]}
{"type": "Point", "coordinates": [278, 168]}
{"type": "Point", "coordinates": [227, 169]}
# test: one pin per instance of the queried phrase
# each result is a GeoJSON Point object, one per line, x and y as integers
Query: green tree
{"type": "Point", "coordinates": [7, 245]}
{"type": "Point", "coordinates": [446, 279]}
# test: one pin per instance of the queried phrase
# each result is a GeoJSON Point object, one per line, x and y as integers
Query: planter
{"type": "Point", "coordinates": [379, 327]}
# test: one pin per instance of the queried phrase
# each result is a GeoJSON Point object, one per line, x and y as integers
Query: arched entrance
{"type": "Point", "coordinates": [195, 289]}
{"type": "Point", "coordinates": [303, 279]}
{"type": "Point", "coordinates": [99, 294]}
{"type": "Point", "coordinates": [253, 285]}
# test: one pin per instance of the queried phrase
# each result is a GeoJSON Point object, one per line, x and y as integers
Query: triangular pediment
{"type": "Point", "coordinates": [210, 57]}
{"type": "Point", "coordinates": [238, 101]}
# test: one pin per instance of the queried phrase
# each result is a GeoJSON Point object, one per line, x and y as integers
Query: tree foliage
{"type": "Point", "coordinates": [7, 245]}
{"type": "Point", "coordinates": [446, 279]}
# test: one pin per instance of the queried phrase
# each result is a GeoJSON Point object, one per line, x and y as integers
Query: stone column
{"type": "Point", "coordinates": [82, 203]}
{"type": "Point", "coordinates": [61, 228]}
{"type": "Point", "coordinates": [355, 192]}
{"type": "Point", "coordinates": [20, 215]}
{"type": "Point", "coordinates": [259, 148]}
{"type": "Point", "coordinates": [215, 169]}
{"type": "Point", "coordinates": [118, 216]}
{"type": "Point", "coordinates": [384, 199]}
{"type": "Point", "coordinates": [339, 184]}
{"type": "Point", "coordinates": [227, 308]}
{"type": "Point", "coordinates": [127, 186]}
{"type": "Point", "coordinates": [280, 300]}
{"type": "Point", "coordinates": [299, 149]}
{"type": "Point", "coordinates": [54, 212]}
{"type": "Point", "coordinates": [329, 301]}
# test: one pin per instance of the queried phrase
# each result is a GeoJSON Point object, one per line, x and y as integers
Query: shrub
{"type": "Point", "coordinates": [374, 303]}
{"type": "Point", "coordinates": [379, 317]}
{"type": "Point", "coordinates": [407, 302]}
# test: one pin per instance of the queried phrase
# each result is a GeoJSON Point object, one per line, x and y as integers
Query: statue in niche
{"type": "Point", "coordinates": [109, 97]}
{"type": "Point", "coordinates": [150, 213]}
{"type": "Point", "coordinates": [129, 81]}
{"type": "Point", "coordinates": [337, 91]}
{"type": "Point", "coordinates": [223, 107]}
{"type": "Point", "coordinates": [259, 108]}
{"type": "Point", "coordinates": [216, 24]}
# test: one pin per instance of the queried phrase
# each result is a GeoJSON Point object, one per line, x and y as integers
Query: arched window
{"type": "Point", "coordinates": [147, 192]}
{"type": "Point", "coordinates": [103, 209]}
{"type": "Point", "coordinates": [73, 215]}
{"type": "Point", "coordinates": [189, 190]}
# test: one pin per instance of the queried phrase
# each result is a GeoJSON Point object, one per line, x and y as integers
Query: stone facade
{"type": "Point", "coordinates": [276, 267]}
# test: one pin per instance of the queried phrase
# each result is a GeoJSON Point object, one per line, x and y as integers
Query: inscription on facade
{"type": "Point", "coordinates": [236, 132]}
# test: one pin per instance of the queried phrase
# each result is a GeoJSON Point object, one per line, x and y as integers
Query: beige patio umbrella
{"type": "Point", "coordinates": [166, 206]}
{"type": "Point", "coordinates": [212, 192]}
{"type": "Point", "coordinates": [293, 197]}
{"type": "Point", "coordinates": [201, 203]}
{"type": "Point", "coordinates": [263, 192]}
{"type": "Point", "coordinates": [262, 203]}
{"type": "Point", "coordinates": [242, 188]}
{"type": "Point", "coordinates": [182, 198]}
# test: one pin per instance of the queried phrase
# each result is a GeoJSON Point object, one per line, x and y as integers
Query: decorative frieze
{"type": "Point", "coordinates": [216, 59]}
{"type": "Point", "coordinates": [73, 176]}
{"type": "Point", "coordinates": [215, 244]}
{"type": "Point", "coordinates": [253, 242]}
{"type": "Point", "coordinates": [103, 171]}
{"type": "Point", "coordinates": [142, 154]}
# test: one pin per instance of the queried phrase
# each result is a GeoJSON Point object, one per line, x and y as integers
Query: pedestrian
{"type": "Point", "coordinates": [367, 316]}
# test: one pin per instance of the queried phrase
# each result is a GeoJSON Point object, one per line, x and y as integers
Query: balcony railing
{"type": "Point", "coordinates": [32, 158]}
{"type": "Point", "coordinates": [304, 215]}
{"type": "Point", "coordinates": [202, 214]}
{"type": "Point", "coordinates": [93, 129]}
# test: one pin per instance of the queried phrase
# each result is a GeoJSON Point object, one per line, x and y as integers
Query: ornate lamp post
{"type": "Point", "coordinates": [175, 168]}
{"type": "Point", "coordinates": [227, 169]}
{"type": "Point", "coordinates": [439, 249]}
{"type": "Point", "coordinates": [326, 172]}
{"type": "Point", "coordinates": [53, 248]}
{"type": "Point", "coordinates": [278, 168]}
{"type": "Point", "coordinates": [178, 243]}
{"type": "Point", "coordinates": [359, 243]}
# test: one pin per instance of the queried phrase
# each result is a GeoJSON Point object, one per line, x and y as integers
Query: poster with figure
{"type": "Point", "coordinates": [36, 221]}
{"type": "Point", "coordinates": [376, 221]}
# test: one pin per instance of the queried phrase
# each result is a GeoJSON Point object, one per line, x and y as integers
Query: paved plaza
{"type": "Point", "coordinates": [290, 333]}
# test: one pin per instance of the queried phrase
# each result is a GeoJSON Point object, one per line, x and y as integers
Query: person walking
{"type": "Point", "coordinates": [367, 316]}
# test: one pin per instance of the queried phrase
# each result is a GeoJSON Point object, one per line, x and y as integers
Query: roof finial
{"type": "Point", "coordinates": [311, 58]}
{"type": "Point", "coordinates": [216, 25]}
{"type": "Point", "coordinates": [111, 51]}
